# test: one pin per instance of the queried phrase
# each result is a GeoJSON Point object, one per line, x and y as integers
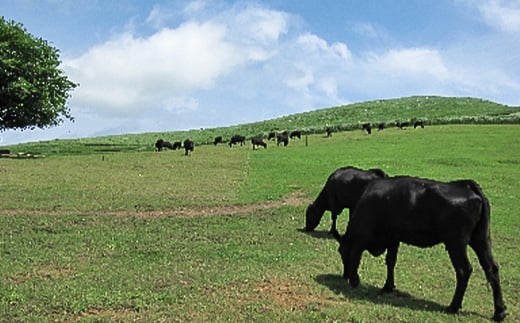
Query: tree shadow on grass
{"type": "Point", "coordinates": [339, 286]}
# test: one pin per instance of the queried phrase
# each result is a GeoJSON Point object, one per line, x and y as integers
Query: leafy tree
{"type": "Point", "coordinates": [33, 90]}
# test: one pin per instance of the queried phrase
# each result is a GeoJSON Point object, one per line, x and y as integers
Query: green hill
{"type": "Point", "coordinates": [431, 109]}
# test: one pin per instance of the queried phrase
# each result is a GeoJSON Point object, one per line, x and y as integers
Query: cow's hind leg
{"type": "Point", "coordinates": [391, 259]}
{"type": "Point", "coordinates": [483, 250]}
{"type": "Point", "coordinates": [463, 269]}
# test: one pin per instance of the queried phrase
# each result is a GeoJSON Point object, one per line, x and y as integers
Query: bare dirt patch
{"type": "Point", "coordinates": [292, 199]}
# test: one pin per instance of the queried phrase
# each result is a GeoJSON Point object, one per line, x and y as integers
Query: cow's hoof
{"type": "Point", "coordinates": [451, 310]}
{"type": "Point", "coordinates": [354, 282]}
{"type": "Point", "coordinates": [499, 316]}
{"type": "Point", "coordinates": [387, 289]}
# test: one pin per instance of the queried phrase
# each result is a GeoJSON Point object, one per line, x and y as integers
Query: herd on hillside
{"type": "Point", "coordinates": [281, 138]}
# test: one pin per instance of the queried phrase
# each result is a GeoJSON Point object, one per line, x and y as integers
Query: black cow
{"type": "Point", "coordinates": [160, 145]}
{"type": "Point", "coordinates": [258, 141]}
{"type": "Point", "coordinates": [342, 190]}
{"type": "Point", "coordinates": [381, 126]}
{"type": "Point", "coordinates": [177, 145]}
{"type": "Point", "coordinates": [367, 127]}
{"type": "Point", "coordinates": [271, 136]}
{"type": "Point", "coordinates": [189, 146]}
{"type": "Point", "coordinates": [237, 139]}
{"type": "Point", "coordinates": [296, 133]}
{"type": "Point", "coordinates": [423, 213]}
{"type": "Point", "coordinates": [5, 152]}
{"type": "Point", "coordinates": [402, 125]}
{"type": "Point", "coordinates": [328, 130]}
{"type": "Point", "coordinates": [282, 138]}
{"type": "Point", "coordinates": [418, 123]}
{"type": "Point", "coordinates": [218, 140]}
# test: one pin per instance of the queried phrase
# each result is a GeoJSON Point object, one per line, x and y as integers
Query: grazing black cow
{"type": "Point", "coordinates": [5, 152]}
{"type": "Point", "coordinates": [329, 131]}
{"type": "Point", "coordinates": [158, 145]}
{"type": "Point", "coordinates": [367, 127]}
{"type": "Point", "coordinates": [418, 123]}
{"type": "Point", "coordinates": [423, 213]}
{"type": "Point", "coordinates": [282, 138]}
{"type": "Point", "coordinates": [402, 125]}
{"type": "Point", "coordinates": [258, 141]}
{"type": "Point", "coordinates": [218, 140]}
{"type": "Point", "coordinates": [271, 136]}
{"type": "Point", "coordinates": [237, 139]}
{"type": "Point", "coordinates": [177, 145]}
{"type": "Point", "coordinates": [342, 190]}
{"type": "Point", "coordinates": [189, 146]}
{"type": "Point", "coordinates": [381, 126]}
{"type": "Point", "coordinates": [296, 133]}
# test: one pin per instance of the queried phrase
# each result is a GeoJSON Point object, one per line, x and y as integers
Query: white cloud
{"type": "Point", "coordinates": [128, 72]}
{"type": "Point", "coordinates": [504, 15]}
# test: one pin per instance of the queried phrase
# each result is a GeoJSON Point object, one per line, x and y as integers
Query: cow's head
{"type": "Point", "coordinates": [345, 251]}
{"type": "Point", "coordinates": [313, 216]}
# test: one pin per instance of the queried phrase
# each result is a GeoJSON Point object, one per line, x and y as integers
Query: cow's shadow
{"type": "Point", "coordinates": [339, 286]}
{"type": "Point", "coordinates": [317, 234]}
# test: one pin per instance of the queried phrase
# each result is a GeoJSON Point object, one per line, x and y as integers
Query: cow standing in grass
{"type": "Point", "coordinates": [258, 141]}
{"type": "Point", "coordinates": [189, 146]}
{"type": "Point", "coordinates": [422, 213]}
{"type": "Point", "coordinates": [342, 190]}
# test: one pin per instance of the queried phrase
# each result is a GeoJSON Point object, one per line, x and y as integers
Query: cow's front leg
{"type": "Point", "coordinates": [355, 259]}
{"type": "Point", "coordinates": [391, 259]}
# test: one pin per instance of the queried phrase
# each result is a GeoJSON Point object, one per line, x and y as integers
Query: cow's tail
{"type": "Point", "coordinates": [482, 230]}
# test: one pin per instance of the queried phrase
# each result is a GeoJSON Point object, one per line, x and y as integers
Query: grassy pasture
{"type": "Point", "coordinates": [138, 235]}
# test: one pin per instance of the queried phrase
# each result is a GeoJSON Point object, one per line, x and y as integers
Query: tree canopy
{"type": "Point", "coordinates": [33, 89]}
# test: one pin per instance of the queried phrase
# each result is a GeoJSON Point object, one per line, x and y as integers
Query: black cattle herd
{"type": "Point", "coordinates": [385, 211]}
{"type": "Point", "coordinates": [281, 138]}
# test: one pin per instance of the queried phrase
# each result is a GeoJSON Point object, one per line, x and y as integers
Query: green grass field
{"type": "Point", "coordinates": [214, 237]}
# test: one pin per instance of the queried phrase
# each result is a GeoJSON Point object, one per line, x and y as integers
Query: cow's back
{"type": "Point", "coordinates": [417, 211]}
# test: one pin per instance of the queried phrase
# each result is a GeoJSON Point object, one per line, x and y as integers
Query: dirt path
{"type": "Point", "coordinates": [293, 199]}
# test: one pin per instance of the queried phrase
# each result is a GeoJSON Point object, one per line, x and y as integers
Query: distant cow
{"type": "Point", "coordinates": [342, 190]}
{"type": "Point", "coordinates": [236, 139]}
{"type": "Point", "coordinates": [423, 213]}
{"type": "Point", "coordinates": [160, 144]}
{"type": "Point", "coordinates": [218, 140]}
{"type": "Point", "coordinates": [381, 126]}
{"type": "Point", "coordinates": [282, 138]}
{"type": "Point", "coordinates": [367, 127]}
{"type": "Point", "coordinates": [177, 145]}
{"type": "Point", "coordinates": [418, 123]}
{"type": "Point", "coordinates": [5, 152]}
{"type": "Point", "coordinates": [296, 133]}
{"type": "Point", "coordinates": [189, 146]}
{"type": "Point", "coordinates": [258, 141]}
{"type": "Point", "coordinates": [271, 136]}
{"type": "Point", "coordinates": [328, 130]}
{"type": "Point", "coordinates": [402, 125]}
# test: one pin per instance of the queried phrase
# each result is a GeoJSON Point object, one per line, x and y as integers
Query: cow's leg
{"type": "Point", "coordinates": [490, 267]}
{"type": "Point", "coordinates": [459, 260]}
{"type": "Point", "coordinates": [355, 259]}
{"type": "Point", "coordinates": [391, 259]}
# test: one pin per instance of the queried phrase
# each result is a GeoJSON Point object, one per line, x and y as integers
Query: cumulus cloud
{"type": "Point", "coordinates": [501, 14]}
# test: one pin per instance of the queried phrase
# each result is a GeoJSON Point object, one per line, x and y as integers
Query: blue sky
{"type": "Point", "coordinates": [165, 65]}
